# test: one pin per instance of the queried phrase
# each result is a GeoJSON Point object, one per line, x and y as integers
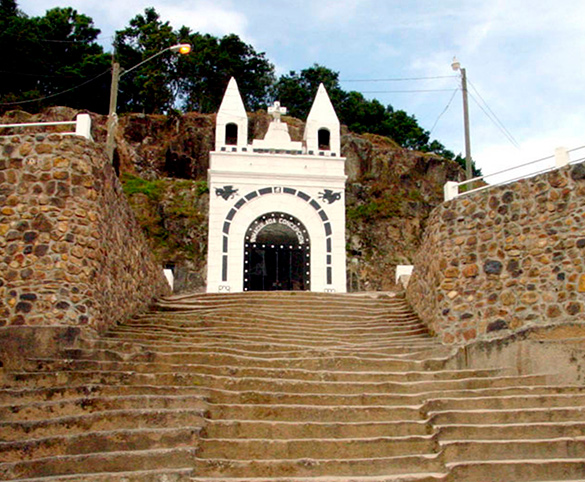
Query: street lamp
{"type": "Point", "coordinates": [456, 66]}
{"type": "Point", "coordinates": [116, 74]}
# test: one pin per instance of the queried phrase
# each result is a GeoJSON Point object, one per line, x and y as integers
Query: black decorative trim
{"type": "Point", "coordinates": [277, 190]}
{"type": "Point", "coordinates": [329, 196]}
{"type": "Point", "coordinates": [226, 192]}
{"type": "Point", "coordinates": [315, 204]}
{"type": "Point", "coordinates": [231, 214]}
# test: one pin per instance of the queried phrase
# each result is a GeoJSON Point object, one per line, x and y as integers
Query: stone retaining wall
{"type": "Point", "coordinates": [510, 257]}
{"type": "Point", "coordinates": [72, 255]}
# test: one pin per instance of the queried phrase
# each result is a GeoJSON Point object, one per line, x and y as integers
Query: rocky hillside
{"type": "Point", "coordinates": [163, 161]}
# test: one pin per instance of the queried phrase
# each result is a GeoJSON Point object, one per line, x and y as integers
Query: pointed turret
{"type": "Point", "coordinates": [322, 132]}
{"type": "Point", "coordinates": [231, 128]}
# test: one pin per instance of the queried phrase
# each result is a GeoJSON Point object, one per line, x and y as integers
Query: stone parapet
{"type": "Point", "coordinates": [504, 259]}
{"type": "Point", "coordinates": [72, 253]}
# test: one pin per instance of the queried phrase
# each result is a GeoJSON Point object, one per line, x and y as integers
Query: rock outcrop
{"type": "Point", "coordinates": [390, 191]}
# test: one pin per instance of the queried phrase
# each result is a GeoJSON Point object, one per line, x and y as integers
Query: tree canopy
{"type": "Point", "coordinates": [50, 54]}
{"type": "Point", "coordinates": [56, 60]}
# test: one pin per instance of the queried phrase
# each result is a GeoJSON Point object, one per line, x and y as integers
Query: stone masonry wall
{"type": "Point", "coordinates": [507, 258]}
{"type": "Point", "coordinates": [71, 252]}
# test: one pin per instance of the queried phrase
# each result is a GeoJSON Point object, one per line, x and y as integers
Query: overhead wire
{"type": "Point", "coordinates": [502, 129]}
{"type": "Point", "coordinates": [28, 101]}
{"type": "Point", "coordinates": [444, 110]}
{"type": "Point", "coordinates": [498, 122]}
{"type": "Point", "coordinates": [399, 79]}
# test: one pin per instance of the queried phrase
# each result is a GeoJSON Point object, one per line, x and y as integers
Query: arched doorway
{"type": "Point", "coordinates": [276, 254]}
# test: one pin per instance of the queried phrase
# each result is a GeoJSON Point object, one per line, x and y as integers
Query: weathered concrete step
{"type": "Point", "coordinates": [165, 475]}
{"type": "Point", "coordinates": [102, 421]}
{"type": "Point", "coordinates": [311, 360]}
{"type": "Point", "coordinates": [317, 324]}
{"type": "Point", "coordinates": [334, 374]}
{"type": "Point", "coordinates": [277, 345]}
{"type": "Point", "coordinates": [511, 431]}
{"type": "Point", "coordinates": [314, 468]}
{"type": "Point", "coordinates": [321, 324]}
{"type": "Point", "coordinates": [276, 339]}
{"type": "Point", "coordinates": [302, 413]}
{"type": "Point", "coordinates": [469, 450]}
{"type": "Point", "coordinates": [258, 449]}
{"type": "Point", "coordinates": [99, 462]}
{"type": "Point", "coordinates": [40, 379]}
{"type": "Point", "coordinates": [420, 477]}
{"type": "Point", "coordinates": [19, 396]}
{"type": "Point", "coordinates": [523, 415]}
{"type": "Point", "coordinates": [262, 350]}
{"type": "Point", "coordinates": [523, 470]}
{"type": "Point", "coordinates": [507, 402]}
{"type": "Point", "coordinates": [92, 404]}
{"type": "Point", "coordinates": [243, 397]}
{"type": "Point", "coordinates": [262, 333]}
{"type": "Point", "coordinates": [262, 429]}
{"type": "Point", "coordinates": [105, 441]}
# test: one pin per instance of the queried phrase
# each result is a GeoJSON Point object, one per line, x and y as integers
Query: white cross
{"type": "Point", "coordinates": [276, 111]}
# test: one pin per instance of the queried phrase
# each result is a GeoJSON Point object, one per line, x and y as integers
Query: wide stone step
{"type": "Point", "coordinates": [20, 396]}
{"type": "Point", "coordinates": [522, 470]}
{"type": "Point", "coordinates": [262, 429]}
{"type": "Point", "coordinates": [511, 431]}
{"type": "Point", "coordinates": [164, 475]}
{"type": "Point", "coordinates": [526, 415]}
{"type": "Point", "coordinates": [85, 405]}
{"type": "Point", "coordinates": [99, 462]}
{"type": "Point", "coordinates": [302, 413]}
{"type": "Point", "coordinates": [469, 450]}
{"type": "Point", "coordinates": [352, 448]}
{"type": "Point", "coordinates": [94, 442]}
{"type": "Point", "coordinates": [311, 360]}
{"type": "Point", "coordinates": [277, 341]}
{"type": "Point", "coordinates": [507, 402]}
{"type": "Point", "coordinates": [420, 477]}
{"type": "Point", "coordinates": [40, 379]}
{"type": "Point", "coordinates": [387, 399]}
{"type": "Point", "coordinates": [102, 421]}
{"type": "Point", "coordinates": [333, 375]}
{"type": "Point", "coordinates": [310, 467]}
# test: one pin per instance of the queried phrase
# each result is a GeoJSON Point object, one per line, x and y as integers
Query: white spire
{"type": "Point", "coordinates": [322, 117]}
{"type": "Point", "coordinates": [231, 111]}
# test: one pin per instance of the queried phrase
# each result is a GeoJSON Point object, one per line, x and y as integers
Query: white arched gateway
{"type": "Point", "coordinates": [277, 207]}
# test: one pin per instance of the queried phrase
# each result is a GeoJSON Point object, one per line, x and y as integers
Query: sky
{"type": "Point", "coordinates": [524, 59]}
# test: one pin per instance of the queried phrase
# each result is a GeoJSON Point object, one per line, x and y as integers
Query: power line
{"type": "Point", "coordinates": [444, 110]}
{"type": "Point", "coordinates": [399, 79]}
{"type": "Point", "coordinates": [58, 93]}
{"type": "Point", "coordinates": [502, 129]}
{"type": "Point", "coordinates": [500, 123]}
{"type": "Point", "coordinates": [403, 91]}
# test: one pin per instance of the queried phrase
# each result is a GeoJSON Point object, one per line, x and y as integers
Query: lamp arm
{"type": "Point", "coordinates": [124, 72]}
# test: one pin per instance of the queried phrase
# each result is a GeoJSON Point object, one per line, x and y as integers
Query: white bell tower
{"type": "Point", "coordinates": [277, 206]}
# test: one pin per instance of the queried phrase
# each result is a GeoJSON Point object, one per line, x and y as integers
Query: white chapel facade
{"type": "Point", "coordinates": [277, 207]}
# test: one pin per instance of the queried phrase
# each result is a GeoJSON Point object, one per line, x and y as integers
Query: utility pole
{"type": "Point", "coordinates": [112, 116]}
{"type": "Point", "coordinates": [457, 67]}
{"type": "Point", "coordinates": [183, 49]}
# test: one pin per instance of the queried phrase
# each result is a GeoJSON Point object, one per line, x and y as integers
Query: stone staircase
{"type": "Point", "coordinates": [288, 386]}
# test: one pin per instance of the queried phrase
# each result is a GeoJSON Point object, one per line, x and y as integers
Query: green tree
{"type": "Point", "coordinates": [213, 61]}
{"type": "Point", "coordinates": [296, 91]}
{"type": "Point", "coordinates": [49, 55]}
{"type": "Point", "coordinates": [152, 87]}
